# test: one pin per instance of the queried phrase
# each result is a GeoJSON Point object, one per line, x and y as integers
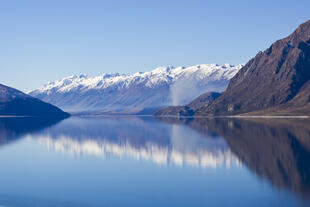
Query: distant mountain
{"type": "Point", "coordinates": [16, 103]}
{"type": "Point", "coordinates": [189, 109]}
{"type": "Point", "coordinates": [140, 92]}
{"type": "Point", "coordinates": [275, 82]}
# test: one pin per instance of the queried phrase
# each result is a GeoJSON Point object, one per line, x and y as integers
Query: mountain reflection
{"type": "Point", "coordinates": [276, 149]}
{"type": "Point", "coordinates": [138, 138]}
{"type": "Point", "coordinates": [13, 128]}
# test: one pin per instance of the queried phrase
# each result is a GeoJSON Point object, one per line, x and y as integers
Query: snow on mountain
{"type": "Point", "coordinates": [160, 87]}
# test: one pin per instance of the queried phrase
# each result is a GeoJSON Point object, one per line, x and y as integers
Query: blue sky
{"type": "Point", "coordinates": [42, 41]}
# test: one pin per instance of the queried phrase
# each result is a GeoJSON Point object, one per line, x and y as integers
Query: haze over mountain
{"type": "Point", "coordinates": [134, 93]}
{"type": "Point", "coordinates": [188, 109]}
{"type": "Point", "coordinates": [15, 103]}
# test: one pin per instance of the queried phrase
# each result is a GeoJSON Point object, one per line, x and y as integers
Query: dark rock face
{"type": "Point", "coordinates": [189, 109]}
{"type": "Point", "coordinates": [276, 81]}
{"type": "Point", "coordinates": [203, 100]}
{"type": "Point", "coordinates": [16, 103]}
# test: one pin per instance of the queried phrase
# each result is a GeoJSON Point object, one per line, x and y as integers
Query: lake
{"type": "Point", "coordinates": [144, 161]}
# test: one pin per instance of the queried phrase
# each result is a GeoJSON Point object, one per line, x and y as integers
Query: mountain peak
{"type": "Point", "coordinates": [301, 34]}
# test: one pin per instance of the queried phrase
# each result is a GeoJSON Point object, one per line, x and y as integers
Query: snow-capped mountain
{"type": "Point", "coordinates": [157, 88]}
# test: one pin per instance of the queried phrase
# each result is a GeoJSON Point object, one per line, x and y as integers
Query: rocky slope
{"type": "Point", "coordinates": [16, 103]}
{"type": "Point", "coordinates": [134, 93]}
{"type": "Point", "coordinates": [274, 82]}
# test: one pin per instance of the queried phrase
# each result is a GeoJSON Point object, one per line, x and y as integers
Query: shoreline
{"type": "Point", "coordinates": [193, 117]}
{"type": "Point", "coordinates": [173, 116]}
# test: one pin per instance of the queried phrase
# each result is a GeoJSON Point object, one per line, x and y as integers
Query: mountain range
{"type": "Point", "coordinates": [16, 103]}
{"type": "Point", "coordinates": [275, 82]}
{"type": "Point", "coordinates": [142, 91]}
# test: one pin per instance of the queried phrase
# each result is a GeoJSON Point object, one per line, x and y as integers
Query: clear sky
{"type": "Point", "coordinates": [42, 41]}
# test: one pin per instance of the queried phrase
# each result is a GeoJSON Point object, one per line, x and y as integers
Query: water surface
{"type": "Point", "coordinates": [136, 161]}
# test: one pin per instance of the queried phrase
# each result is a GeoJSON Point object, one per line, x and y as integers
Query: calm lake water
{"type": "Point", "coordinates": [135, 161]}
